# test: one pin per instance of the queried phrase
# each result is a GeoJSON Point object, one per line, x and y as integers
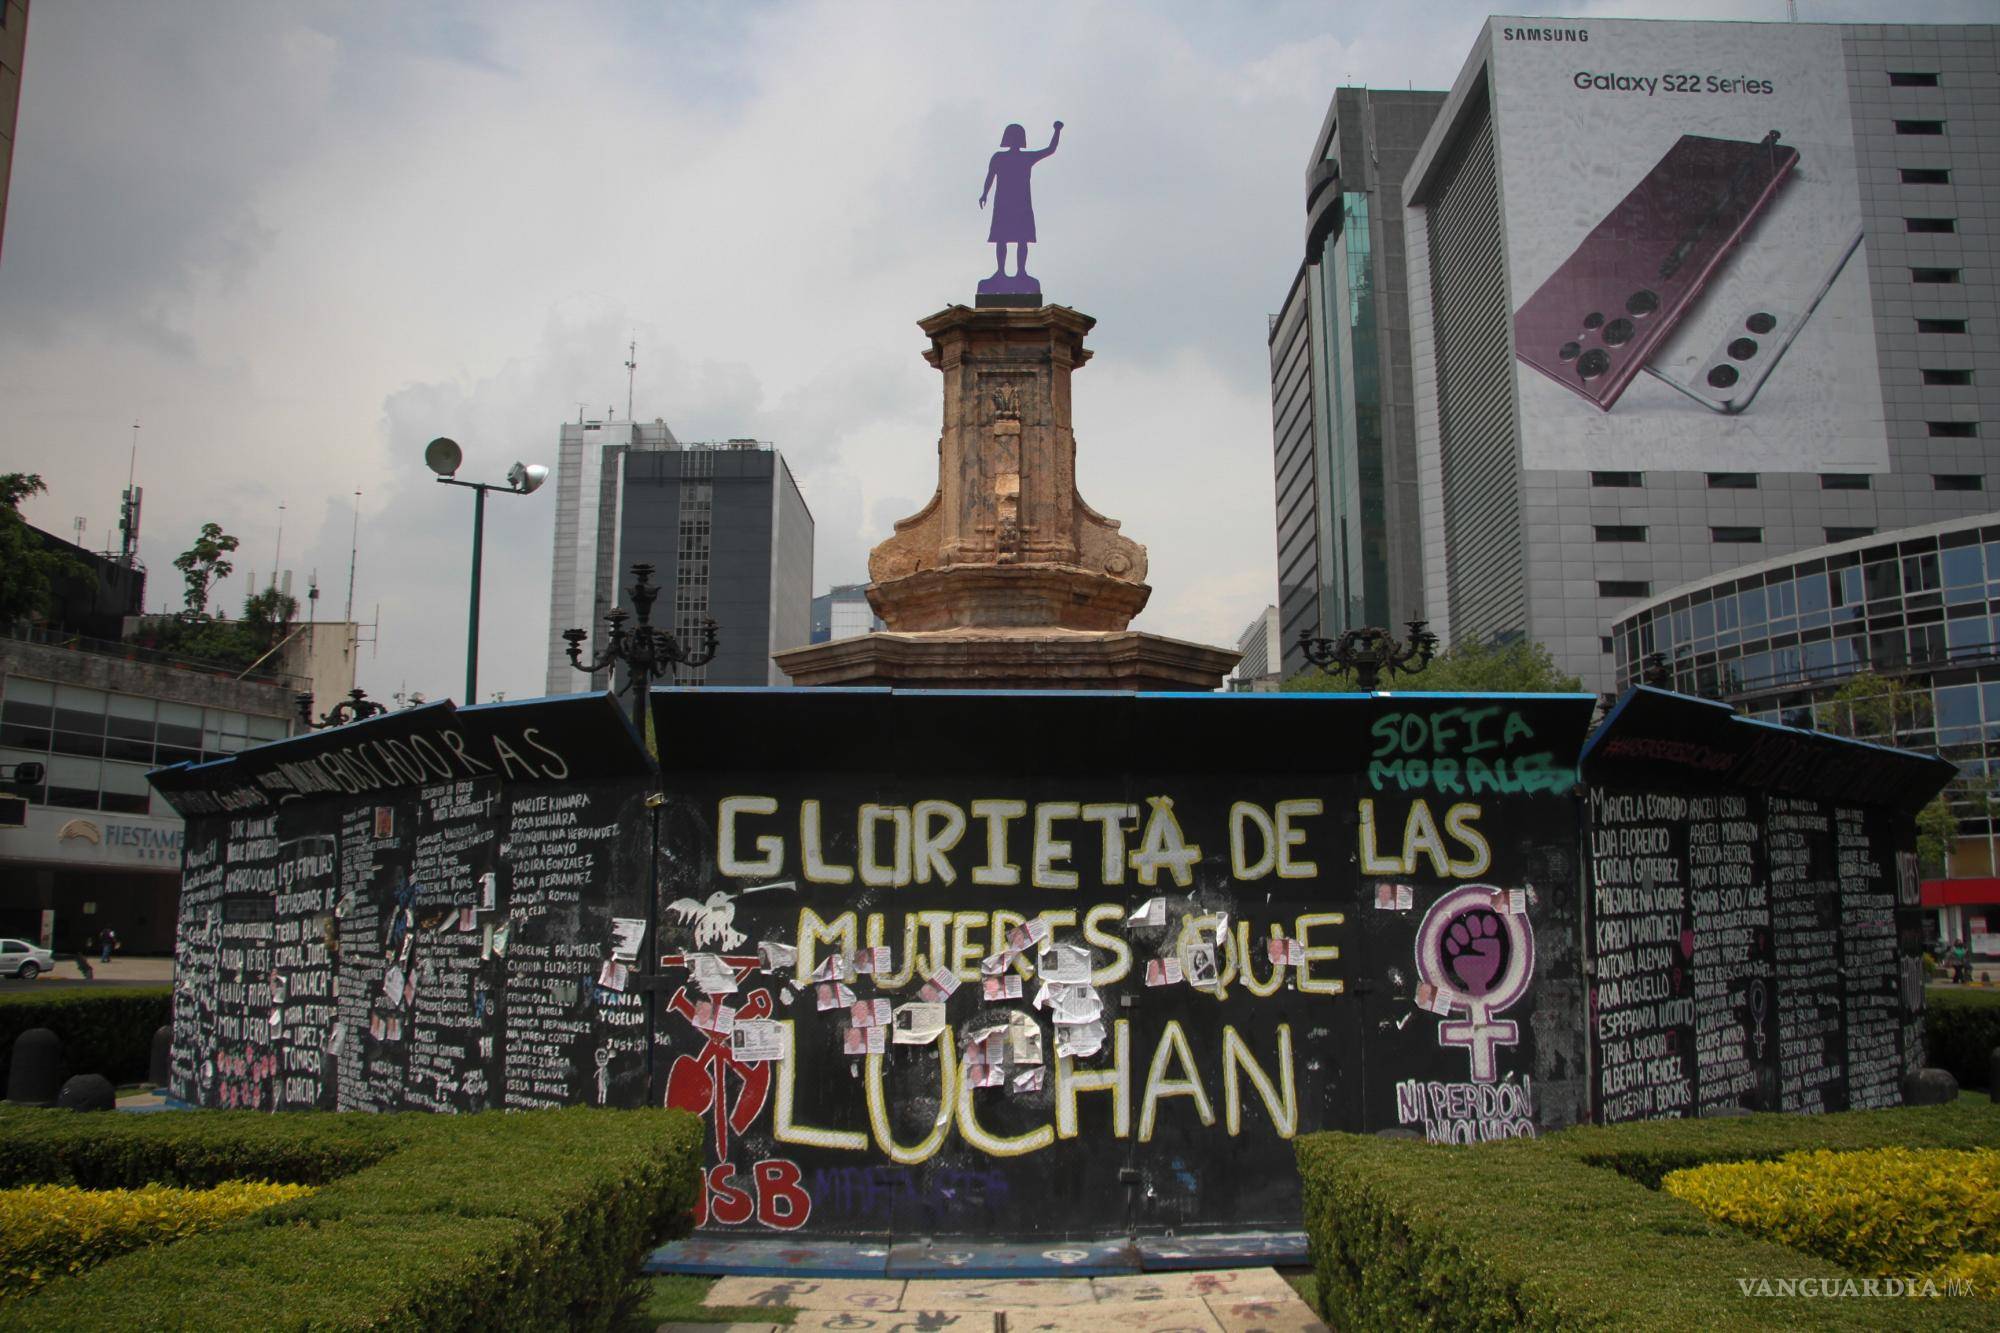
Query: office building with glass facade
{"type": "Point", "coordinates": [1913, 613]}
{"type": "Point", "coordinates": [1342, 414]}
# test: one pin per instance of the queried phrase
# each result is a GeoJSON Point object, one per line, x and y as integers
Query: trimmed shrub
{"type": "Point", "coordinates": [1982, 1271]}
{"type": "Point", "coordinates": [499, 1220]}
{"type": "Point", "coordinates": [51, 1231]}
{"type": "Point", "coordinates": [1890, 1211]}
{"type": "Point", "coordinates": [1564, 1232]}
{"type": "Point", "coordinates": [108, 1032]}
{"type": "Point", "coordinates": [1961, 1028]}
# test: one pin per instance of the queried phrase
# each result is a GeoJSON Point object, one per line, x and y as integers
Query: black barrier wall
{"type": "Point", "coordinates": [936, 963]}
{"type": "Point", "coordinates": [1755, 935]}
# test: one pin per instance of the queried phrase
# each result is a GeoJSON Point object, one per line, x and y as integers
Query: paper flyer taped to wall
{"type": "Point", "coordinates": [772, 957]}
{"type": "Point", "coordinates": [1076, 1004]}
{"type": "Point", "coordinates": [1028, 1080]}
{"type": "Point", "coordinates": [1201, 972]}
{"type": "Point", "coordinates": [1002, 988]}
{"type": "Point", "coordinates": [612, 975]}
{"type": "Point", "coordinates": [854, 1041]}
{"type": "Point", "coordinates": [711, 974]}
{"type": "Point", "coordinates": [628, 934]}
{"type": "Point", "coordinates": [1152, 912]}
{"type": "Point", "coordinates": [757, 1040]}
{"type": "Point", "coordinates": [918, 1023]}
{"type": "Point", "coordinates": [1024, 1043]}
{"type": "Point", "coordinates": [1067, 963]}
{"type": "Point", "coordinates": [714, 1016]}
{"type": "Point", "coordinates": [1283, 949]}
{"type": "Point", "coordinates": [1083, 1039]}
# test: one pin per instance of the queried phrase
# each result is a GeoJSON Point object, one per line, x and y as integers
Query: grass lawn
{"type": "Point", "coordinates": [674, 1296]}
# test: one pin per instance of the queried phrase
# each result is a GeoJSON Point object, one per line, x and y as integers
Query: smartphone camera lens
{"type": "Point", "coordinates": [1592, 320]}
{"type": "Point", "coordinates": [1761, 322]}
{"type": "Point", "coordinates": [1642, 303]}
{"type": "Point", "coordinates": [1722, 377]}
{"type": "Point", "coordinates": [1568, 351]}
{"type": "Point", "coordinates": [1593, 363]}
{"type": "Point", "coordinates": [1618, 332]}
{"type": "Point", "coordinates": [1742, 349]}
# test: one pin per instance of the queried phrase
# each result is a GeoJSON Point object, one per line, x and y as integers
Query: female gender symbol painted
{"type": "Point", "coordinates": [1480, 959]}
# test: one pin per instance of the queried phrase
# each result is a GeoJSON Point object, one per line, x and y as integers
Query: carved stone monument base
{"type": "Point", "coordinates": [1011, 659]}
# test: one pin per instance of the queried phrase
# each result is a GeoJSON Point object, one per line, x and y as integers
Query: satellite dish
{"type": "Point", "coordinates": [527, 477]}
{"type": "Point", "coordinates": [443, 456]}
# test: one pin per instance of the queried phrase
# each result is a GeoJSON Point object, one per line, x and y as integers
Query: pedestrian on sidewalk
{"type": "Point", "coordinates": [106, 943]}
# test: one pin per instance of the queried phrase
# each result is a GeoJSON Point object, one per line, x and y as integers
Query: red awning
{"type": "Point", "coordinates": [1962, 893]}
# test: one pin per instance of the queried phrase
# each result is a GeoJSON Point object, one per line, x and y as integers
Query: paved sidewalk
{"type": "Point", "coordinates": [1236, 1300]}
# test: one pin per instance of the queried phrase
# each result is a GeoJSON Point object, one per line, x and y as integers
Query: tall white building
{"type": "Point", "coordinates": [723, 525]}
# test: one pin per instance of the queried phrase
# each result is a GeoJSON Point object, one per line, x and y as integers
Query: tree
{"type": "Point", "coordinates": [268, 617]}
{"type": "Point", "coordinates": [1521, 666]}
{"type": "Point", "coordinates": [202, 564]}
{"type": "Point", "coordinates": [29, 570]}
{"type": "Point", "coordinates": [1937, 833]}
{"type": "Point", "coordinates": [1871, 706]}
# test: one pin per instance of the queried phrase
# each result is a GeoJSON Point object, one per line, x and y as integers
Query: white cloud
{"type": "Point", "coordinates": [300, 244]}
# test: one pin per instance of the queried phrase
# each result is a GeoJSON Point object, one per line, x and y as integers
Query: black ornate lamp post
{"type": "Point", "coordinates": [356, 706]}
{"type": "Point", "coordinates": [1369, 650]}
{"type": "Point", "coordinates": [647, 654]}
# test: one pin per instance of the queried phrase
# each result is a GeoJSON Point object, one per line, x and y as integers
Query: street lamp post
{"type": "Point", "coordinates": [1369, 650]}
{"type": "Point", "coordinates": [648, 654]}
{"type": "Point", "coordinates": [443, 456]}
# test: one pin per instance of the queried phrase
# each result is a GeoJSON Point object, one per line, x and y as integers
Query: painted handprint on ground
{"type": "Point", "coordinates": [1475, 950]}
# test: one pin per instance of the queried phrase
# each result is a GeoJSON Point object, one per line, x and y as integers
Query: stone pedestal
{"type": "Point", "coordinates": [1007, 579]}
{"type": "Point", "coordinates": [1016, 659]}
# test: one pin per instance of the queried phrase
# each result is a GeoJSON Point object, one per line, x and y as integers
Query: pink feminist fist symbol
{"type": "Point", "coordinates": [1480, 961]}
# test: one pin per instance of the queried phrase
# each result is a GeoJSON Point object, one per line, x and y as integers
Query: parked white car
{"type": "Point", "coordinates": [18, 958]}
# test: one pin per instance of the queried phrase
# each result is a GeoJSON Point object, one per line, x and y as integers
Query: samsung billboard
{"type": "Point", "coordinates": [1684, 247]}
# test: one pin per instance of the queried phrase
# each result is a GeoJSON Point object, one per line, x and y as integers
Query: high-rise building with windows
{"type": "Point", "coordinates": [1689, 296]}
{"type": "Point", "coordinates": [723, 525]}
{"type": "Point", "coordinates": [13, 46]}
{"type": "Point", "coordinates": [1343, 429]}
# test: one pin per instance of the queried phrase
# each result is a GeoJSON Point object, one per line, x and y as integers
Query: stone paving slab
{"type": "Point", "coordinates": [1227, 1284]}
{"type": "Point", "coordinates": [1123, 1316]}
{"type": "Point", "coordinates": [1010, 1294]}
{"type": "Point", "coordinates": [897, 1321]}
{"type": "Point", "coordinates": [681, 1326]}
{"type": "Point", "coordinates": [1265, 1315]}
{"type": "Point", "coordinates": [851, 1294]}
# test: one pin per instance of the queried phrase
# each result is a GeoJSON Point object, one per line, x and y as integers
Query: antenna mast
{"type": "Point", "coordinates": [128, 511]}
{"type": "Point", "coordinates": [631, 369]}
{"type": "Point", "coordinates": [277, 557]}
{"type": "Point", "coordinates": [353, 554]}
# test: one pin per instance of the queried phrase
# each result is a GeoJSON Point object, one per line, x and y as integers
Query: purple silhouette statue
{"type": "Point", "coordinates": [1013, 213]}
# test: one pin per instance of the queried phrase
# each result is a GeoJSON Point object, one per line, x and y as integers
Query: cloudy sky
{"type": "Point", "coordinates": [298, 240]}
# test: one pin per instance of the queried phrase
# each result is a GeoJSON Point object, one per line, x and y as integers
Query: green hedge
{"type": "Point", "coordinates": [1961, 1028]}
{"type": "Point", "coordinates": [499, 1220]}
{"type": "Point", "coordinates": [1566, 1233]}
{"type": "Point", "coordinates": [108, 1031]}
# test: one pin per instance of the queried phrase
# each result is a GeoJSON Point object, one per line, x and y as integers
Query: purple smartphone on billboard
{"type": "Point", "coordinates": [1592, 326]}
